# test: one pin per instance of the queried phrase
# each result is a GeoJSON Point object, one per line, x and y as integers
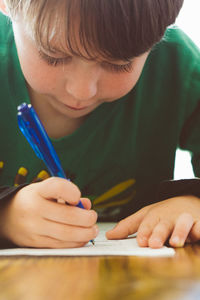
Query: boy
{"type": "Point", "coordinates": [116, 102]}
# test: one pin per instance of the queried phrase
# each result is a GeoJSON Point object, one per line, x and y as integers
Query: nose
{"type": "Point", "coordinates": [82, 86]}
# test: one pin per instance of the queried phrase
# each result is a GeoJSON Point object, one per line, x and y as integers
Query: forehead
{"type": "Point", "coordinates": [77, 27]}
{"type": "Point", "coordinates": [63, 40]}
{"type": "Point", "coordinates": [57, 36]}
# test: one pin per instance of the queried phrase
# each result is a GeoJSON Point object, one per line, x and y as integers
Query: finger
{"type": "Point", "coordinates": [160, 234]}
{"type": "Point", "coordinates": [181, 230]}
{"type": "Point", "coordinates": [68, 233]}
{"type": "Point", "coordinates": [59, 189]}
{"type": "Point", "coordinates": [67, 214]}
{"type": "Point", "coordinates": [127, 226]}
{"type": "Point", "coordinates": [86, 203]}
{"type": "Point", "coordinates": [145, 230]}
{"type": "Point", "coordinates": [48, 242]}
{"type": "Point", "coordinates": [194, 235]}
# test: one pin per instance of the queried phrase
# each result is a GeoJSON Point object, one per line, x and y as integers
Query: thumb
{"type": "Point", "coordinates": [127, 226]}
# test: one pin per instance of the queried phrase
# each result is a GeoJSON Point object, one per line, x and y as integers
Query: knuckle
{"type": "Point", "coordinates": [144, 228]}
{"type": "Point", "coordinates": [60, 185]}
{"type": "Point", "coordinates": [166, 224]}
{"type": "Point", "coordinates": [54, 183]}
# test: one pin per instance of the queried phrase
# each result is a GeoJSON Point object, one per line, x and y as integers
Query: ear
{"type": "Point", "coordinates": [3, 8]}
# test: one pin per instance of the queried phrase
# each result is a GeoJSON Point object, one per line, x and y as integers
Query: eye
{"type": "Point", "coordinates": [117, 68]}
{"type": "Point", "coordinates": [54, 61]}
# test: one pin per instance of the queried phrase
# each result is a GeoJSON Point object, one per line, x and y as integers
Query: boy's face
{"type": "Point", "coordinates": [75, 86]}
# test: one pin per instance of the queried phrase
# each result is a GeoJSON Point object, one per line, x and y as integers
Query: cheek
{"type": "Point", "coordinates": [39, 76]}
{"type": "Point", "coordinates": [120, 85]}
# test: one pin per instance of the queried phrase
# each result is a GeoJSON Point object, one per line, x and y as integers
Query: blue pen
{"type": "Point", "coordinates": [33, 130]}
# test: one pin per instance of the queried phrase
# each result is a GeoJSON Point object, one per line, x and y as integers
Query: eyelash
{"type": "Point", "coordinates": [53, 61]}
{"type": "Point", "coordinates": [118, 68]}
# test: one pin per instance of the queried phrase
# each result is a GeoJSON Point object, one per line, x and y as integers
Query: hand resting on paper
{"type": "Point", "coordinates": [176, 219]}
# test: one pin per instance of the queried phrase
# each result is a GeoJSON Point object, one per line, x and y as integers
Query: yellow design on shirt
{"type": "Point", "coordinates": [1, 165]}
{"type": "Point", "coordinates": [114, 191]}
{"type": "Point", "coordinates": [42, 175]}
{"type": "Point", "coordinates": [20, 178]}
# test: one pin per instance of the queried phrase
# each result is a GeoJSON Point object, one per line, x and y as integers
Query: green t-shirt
{"type": "Point", "coordinates": [124, 149]}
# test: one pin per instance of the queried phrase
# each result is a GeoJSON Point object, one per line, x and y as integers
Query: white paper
{"type": "Point", "coordinates": [102, 247]}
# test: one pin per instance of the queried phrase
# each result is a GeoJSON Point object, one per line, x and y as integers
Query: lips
{"type": "Point", "coordinates": [76, 108]}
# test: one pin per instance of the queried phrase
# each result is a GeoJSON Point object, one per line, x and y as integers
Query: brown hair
{"type": "Point", "coordinates": [116, 29]}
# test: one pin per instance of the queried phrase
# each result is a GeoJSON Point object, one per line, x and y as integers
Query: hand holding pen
{"type": "Point", "coordinates": [33, 218]}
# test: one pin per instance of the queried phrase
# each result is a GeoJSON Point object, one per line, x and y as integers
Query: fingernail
{"type": "Point", "coordinates": [177, 242]}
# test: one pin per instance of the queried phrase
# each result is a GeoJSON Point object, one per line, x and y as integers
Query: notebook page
{"type": "Point", "coordinates": [102, 247]}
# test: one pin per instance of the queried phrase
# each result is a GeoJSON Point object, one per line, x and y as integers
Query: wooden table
{"type": "Point", "coordinates": [95, 278]}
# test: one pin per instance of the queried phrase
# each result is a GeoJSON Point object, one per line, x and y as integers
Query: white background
{"type": "Point", "coordinates": [189, 21]}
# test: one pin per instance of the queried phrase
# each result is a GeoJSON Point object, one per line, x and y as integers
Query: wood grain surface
{"type": "Point", "coordinates": [59, 278]}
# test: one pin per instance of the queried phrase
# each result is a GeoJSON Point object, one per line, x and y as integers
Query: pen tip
{"type": "Point", "coordinates": [93, 243]}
